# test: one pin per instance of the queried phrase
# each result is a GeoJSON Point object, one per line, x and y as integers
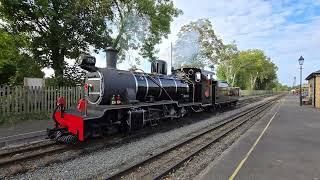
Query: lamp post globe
{"type": "Point", "coordinates": [301, 60]}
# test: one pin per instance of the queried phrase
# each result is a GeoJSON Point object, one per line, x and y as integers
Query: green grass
{"type": "Point", "coordinates": [16, 118]}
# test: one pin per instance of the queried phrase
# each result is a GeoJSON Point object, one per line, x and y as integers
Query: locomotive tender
{"type": "Point", "coordinates": [130, 100]}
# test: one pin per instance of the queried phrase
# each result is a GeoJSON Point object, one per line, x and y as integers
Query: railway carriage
{"type": "Point", "coordinates": [129, 100]}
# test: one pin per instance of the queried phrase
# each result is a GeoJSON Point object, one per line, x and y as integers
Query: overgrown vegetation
{"type": "Point", "coordinates": [44, 33]}
{"type": "Point", "coordinates": [16, 118]}
{"type": "Point", "coordinates": [198, 46]}
{"type": "Point", "coordinates": [250, 69]}
{"type": "Point", "coordinates": [63, 29]}
{"type": "Point", "coordinates": [15, 63]}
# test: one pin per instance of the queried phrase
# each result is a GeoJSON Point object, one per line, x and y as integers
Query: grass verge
{"type": "Point", "coordinates": [16, 118]}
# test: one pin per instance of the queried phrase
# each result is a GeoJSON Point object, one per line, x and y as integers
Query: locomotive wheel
{"type": "Point", "coordinates": [96, 130]}
{"type": "Point", "coordinates": [124, 128]}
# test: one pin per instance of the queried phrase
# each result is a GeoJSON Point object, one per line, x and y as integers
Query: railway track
{"type": "Point", "coordinates": [22, 138]}
{"type": "Point", "coordinates": [32, 151]}
{"type": "Point", "coordinates": [36, 150]}
{"type": "Point", "coordinates": [160, 164]}
{"type": "Point", "coordinates": [247, 101]}
{"type": "Point", "coordinates": [31, 137]}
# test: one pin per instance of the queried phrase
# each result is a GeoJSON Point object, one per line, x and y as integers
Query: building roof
{"type": "Point", "coordinates": [312, 75]}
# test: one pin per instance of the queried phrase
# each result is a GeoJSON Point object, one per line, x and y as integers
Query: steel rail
{"type": "Point", "coordinates": [22, 138]}
{"type": "Point", "coordinates": [219, 137]}
{"type": "Point", "coordinates": [129, 168]}
{"type": "Point", "coordinates": [24, 154]}
{"type": "Point", "coordinates": [42, 148]}
{"type": "Point", "coordinates": [29, 147]}
{"type": "Point", "coordinates": [26, 137]}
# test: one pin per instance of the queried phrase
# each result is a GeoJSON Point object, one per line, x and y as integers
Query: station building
{"type": "Point", "coordinates": [314, 88]}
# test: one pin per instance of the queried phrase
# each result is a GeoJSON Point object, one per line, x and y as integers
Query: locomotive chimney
{"type": "Point", "coordinates": [111, 57]}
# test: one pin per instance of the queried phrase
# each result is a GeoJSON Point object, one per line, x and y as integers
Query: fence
{"type": "Point", "coordinates": [27, 100]}
{"type": "Point", "coordinates": [18, 100]}
{"type": "Point", "coordinates": [255, 92]}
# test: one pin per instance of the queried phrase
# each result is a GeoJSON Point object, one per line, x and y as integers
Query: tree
{"type": "Point", "coordinates": [268, 77]}
{"type": "Point", "coordinates": [60, 29]}
{"type": "Point", "coordinates": [259, 68]}
{"type": "Point", "coordinates": [255, 60]}
{"type": "Point", "coordinates": [140, 25]}
{"type": "Point", "coordinates": [230, 64]}
{"type": "Point", "coordinates": [186, 51]}
{"type": "Point", "coordinates": [8, 56]}
{"type": "Point", "coordinates": [57, 29]}
{"type": "Point", "coordinates": [73, 76]}
{"type": "Point", "coordinates": [249, 69]}
{"type": "Point", "coordinates": [25, 67]}
{"type": "Point", "coordinates": [14, 63]}
{"type": "Point", "coordinates": [197, 45]}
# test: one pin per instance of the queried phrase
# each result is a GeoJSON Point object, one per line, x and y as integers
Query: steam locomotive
{"type": "Point", "coordinates": [129, 100]}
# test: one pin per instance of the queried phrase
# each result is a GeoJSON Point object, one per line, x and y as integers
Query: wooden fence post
{"type": "Point", "coordinates": [24, 100]}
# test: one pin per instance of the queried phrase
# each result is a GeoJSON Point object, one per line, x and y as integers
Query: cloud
{"type": "Point", "coordinates": [284, 29]}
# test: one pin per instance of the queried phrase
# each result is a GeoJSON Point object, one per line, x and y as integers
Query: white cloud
{"type": "Point", "coordinates": [274, 26]}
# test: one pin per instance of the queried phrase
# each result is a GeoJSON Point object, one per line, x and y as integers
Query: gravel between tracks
{"type": "Point", "coordinates": [197, 164]}
{"type": "Point", "coordinates": [109, 159]}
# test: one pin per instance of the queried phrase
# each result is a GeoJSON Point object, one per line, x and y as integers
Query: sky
{"type": "Point", "coordinates": [284, 29]}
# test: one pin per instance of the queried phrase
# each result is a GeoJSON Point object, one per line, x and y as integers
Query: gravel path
{"type": "Point", "coordinates": [107, 160]}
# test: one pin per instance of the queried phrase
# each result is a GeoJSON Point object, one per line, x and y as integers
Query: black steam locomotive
{"type": "Point", "coordinates": [130, 100]}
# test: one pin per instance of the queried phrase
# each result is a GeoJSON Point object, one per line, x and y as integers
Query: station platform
{"type": "Point", "coordinates": [284, 144]}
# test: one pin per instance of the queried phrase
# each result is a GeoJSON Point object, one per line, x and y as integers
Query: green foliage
{"type": "Point", "coordinates": [197, 45]}
{"type": "Point", "coordinates": [57, 29]}
{"type": "Point", "coordinates": [26, 67]}
{"type": "Point", "coordinates": [14, 64]}
{"type": "Point", "coordinates": [16, 118]}
{"type": "Point", "coordinates": [66, 28]}
{"type": "Point", "coordinates": [249, 69]}
{"type": "Point", "coordinates": [8, 56]}
{"type": "Point", "coordinates": [73, 76]}
{"type": "Point", "coordinates": [140, 25]}
{"type": "Point", "coordinates": [230, 64]}
{"type": "Point", "coordinates": [7, 70]}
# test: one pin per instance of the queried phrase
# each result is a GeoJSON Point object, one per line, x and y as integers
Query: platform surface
{"type": "Point", "coordinates": [288, 149]}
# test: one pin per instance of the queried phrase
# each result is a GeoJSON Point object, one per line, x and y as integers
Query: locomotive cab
{"type": "Point", "coordinates": [201, 86]}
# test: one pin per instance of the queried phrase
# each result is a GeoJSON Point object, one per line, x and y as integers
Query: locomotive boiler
{"type": "Point", "coordinates": [110, 83]}
{"type": "Point", "coordinates": [130, 100]}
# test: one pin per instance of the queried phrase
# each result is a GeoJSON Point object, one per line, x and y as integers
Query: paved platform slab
{"type": "Point", "coordinates": [288, 149]}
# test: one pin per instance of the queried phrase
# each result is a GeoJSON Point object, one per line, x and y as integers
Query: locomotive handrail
{"type": "Point", "coordinates": [199, 110]}
{"type": "Point", "coordinates": [190, 82]}
{"type": "Point", "coordinates": [153, 80]}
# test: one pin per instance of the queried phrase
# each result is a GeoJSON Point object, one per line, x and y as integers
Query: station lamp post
{"type": "Point", "coordinates": [301, 60]}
